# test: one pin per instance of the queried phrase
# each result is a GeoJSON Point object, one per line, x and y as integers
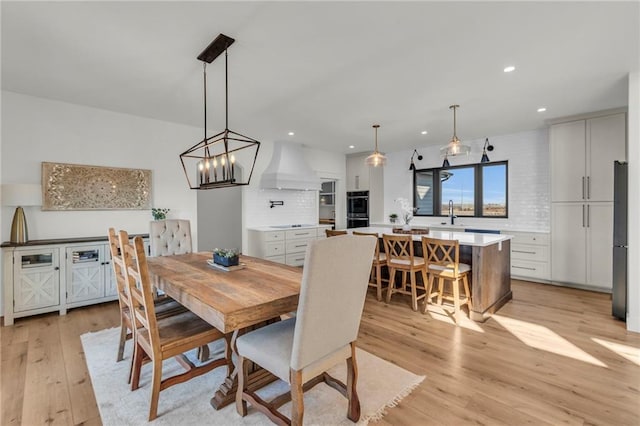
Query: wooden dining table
{"type": "Point", "coordinates": [232, 301]}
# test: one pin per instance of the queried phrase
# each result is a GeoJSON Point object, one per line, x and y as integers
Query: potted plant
{"type": "Point", "coordinates": [393, 218]}
{"type": "Point", "coordinates": [159, 214]}
{"type": "Point", "coordinates": [225, 257]}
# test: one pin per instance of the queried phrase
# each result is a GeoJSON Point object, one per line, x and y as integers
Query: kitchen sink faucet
{"type": "Point", "coordinates": [451, 215]}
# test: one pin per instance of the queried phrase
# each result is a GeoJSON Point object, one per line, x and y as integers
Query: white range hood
{"type": "Point", "coordinates": [289, 170]}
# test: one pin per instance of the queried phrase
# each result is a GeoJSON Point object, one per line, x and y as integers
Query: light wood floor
{"type": "Point", "coordinates": [551, 356]}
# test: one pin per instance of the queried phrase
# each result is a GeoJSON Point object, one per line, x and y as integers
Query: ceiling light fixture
{"type": "Point", "coordinates": [412, 166]}
{"type": "Point", "coordinates": [291, 133]}
{"type": "Point", "coordinates": [487, 147]}
{"type": "Point", "coordinates": [542, 109]}
{"type": "Point", "coordinates": [351, 146]}
{"type": "Point", "coordinates": [376, 159]}
{"type": "Point", "coordinates": [454, 147]}
{"type": "Point", "coordinates": [510, 68]}
{"type": "Point", "coordinates": [424, 132]}
{"type": "Point", "coordinates": [227, 158]}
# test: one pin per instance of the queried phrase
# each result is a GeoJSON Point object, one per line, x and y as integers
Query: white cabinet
{"type": "Point", "coordinates": [55, 275]}
{"type": "Point", "coordinates": [36, 287]}
{"type": "Point", "coordinates": [530, 256]}
{"type": "Point", "coordinates": [582, 156]}
{"type": "Point", "coordinates": [357, 173]}
{"type": "Point", "coordinates": [89, 275]}
{"type": "Point", "coordinates": [582, 153]}
{"type": "Point", "coordinates": [286, 246]}
{"type": "Point", "coordinates": [582, 241]}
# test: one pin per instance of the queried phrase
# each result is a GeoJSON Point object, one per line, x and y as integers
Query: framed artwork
{"type": "Point", "coordinates": [80, 187]}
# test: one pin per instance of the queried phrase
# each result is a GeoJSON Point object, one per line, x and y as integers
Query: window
{"type": "Point", "coordinates": [477, 190]}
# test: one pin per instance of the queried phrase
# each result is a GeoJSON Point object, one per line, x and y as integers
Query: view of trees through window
{"type": "Point", "coordinates": [477, 190]}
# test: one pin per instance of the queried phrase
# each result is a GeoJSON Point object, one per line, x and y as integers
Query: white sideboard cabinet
{"type": "Point", "coordinates": [55, 275]}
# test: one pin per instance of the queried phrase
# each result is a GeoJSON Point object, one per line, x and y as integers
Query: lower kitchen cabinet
{"type": "Point", "coordinates": [581, 244]}
{"type": "Point", "coordinates": [530, 256]}
{"type": "Point", "coordinates": [55, 275]}
{"type": "Point", "coordinates": [287, 246]}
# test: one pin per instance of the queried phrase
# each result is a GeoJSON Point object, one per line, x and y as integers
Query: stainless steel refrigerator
{"type": "Point", "coordinates": [619, 291]}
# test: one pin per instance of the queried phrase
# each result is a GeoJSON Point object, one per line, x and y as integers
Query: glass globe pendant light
{"type": "Point", "coordinates": [376, 159]}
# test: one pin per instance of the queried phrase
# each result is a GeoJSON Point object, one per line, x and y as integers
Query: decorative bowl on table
{"type": "Point", "coordinates": [412, 231]}
{"type": "Point", "coordinates": [226, 257]}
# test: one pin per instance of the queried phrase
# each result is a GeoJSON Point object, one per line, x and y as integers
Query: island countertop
{"type": "Point", "coordinates": [474, 239]}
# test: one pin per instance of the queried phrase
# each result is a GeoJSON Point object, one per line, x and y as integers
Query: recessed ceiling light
{"type": "Point", "coordinates": [543, 109]}
{"type": "Point", "coordinates": [291, 133]}
{"type": "Point", "coordinates": [424, 132]}
{"type": "Point", "coordinates": [510, 68]}
{"type": "Point", "coordinates": [351, 146]}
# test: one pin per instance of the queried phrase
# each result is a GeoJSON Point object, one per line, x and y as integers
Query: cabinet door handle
{"type": "Point", "coordinates": [588, 216]}
{"type": "Point", "coordinates": [583, 215]}
{"type": "Point", "coordinates": [588, 187]}
{"type": "Point", "coordinates": [522, 267]}
{"type": "Point", "coordinates": [583, 188]}
{"type": "Point", "coordinates": [523, 251]}
{"type": "Point", "coordinates": [57, 268]}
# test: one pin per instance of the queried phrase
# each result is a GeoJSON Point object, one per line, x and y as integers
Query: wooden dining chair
{"type": "Point", "coordinates": [443, 262]}
{"type": "Point", "coordinates": [400, 257]}
{"type": "Point", "coordinates": [334, 233]}
{"type": "Point", "coordinates": [379, 262]}
{"type": "Point", "coordinates": [299, 350]}
{"type": "Point", "coordinates": [159, 339]}
{"type": "Point", "coordinates": [164, 306]}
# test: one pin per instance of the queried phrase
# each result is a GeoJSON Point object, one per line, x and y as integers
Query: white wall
{"type": "Point", "coordinates": [36, 130]}
{"type": "Point", "coordinates": [528, 156]}
{"type": "Point", "coordinates": [633, 153]}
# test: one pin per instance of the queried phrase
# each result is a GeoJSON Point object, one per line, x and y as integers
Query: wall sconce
{"type": "Point", "coordinates": [19, 196]}
{"type": "Point", "coordinates": [412, 166]}
{"type": "Point", "coordinates": [272, 204]}
{"type": "Point", "coordinates": [487, 147]}
{"type": "Point", "coordinates": [445, 163]}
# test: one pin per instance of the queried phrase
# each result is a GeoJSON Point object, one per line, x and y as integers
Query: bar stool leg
{"type": "Point", "coordinates": [456, 299]}
{"type": "Point", "coordinates": [414, 291]}
{"type": "Point", "coordinates": [392, 281]}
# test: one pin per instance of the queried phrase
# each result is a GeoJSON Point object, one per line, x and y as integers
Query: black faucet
{"type": "Point", "coordinates": [451, 215]}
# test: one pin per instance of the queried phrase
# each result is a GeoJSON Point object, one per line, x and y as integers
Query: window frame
{"type": "Point", "coordinates": [477, 189]}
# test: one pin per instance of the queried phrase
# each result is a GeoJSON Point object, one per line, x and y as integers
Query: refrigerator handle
{"type": "Point", "coordinates": [588, 215]}
{"type": "Point", "coordinates": [583, 215]}
{"type": "Point", "coordinates": [583, 189]}
{"type": "Point", "coordinates": [588, 187]}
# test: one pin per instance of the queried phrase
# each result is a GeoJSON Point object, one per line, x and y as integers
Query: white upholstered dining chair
{"type": "Point", "coordinates": [301, 349]}
{"type": "Point", "coordinates": [170, 236]}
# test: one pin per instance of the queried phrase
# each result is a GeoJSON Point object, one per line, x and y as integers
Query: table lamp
{"type": "Point", "coordinates": [20, 195]}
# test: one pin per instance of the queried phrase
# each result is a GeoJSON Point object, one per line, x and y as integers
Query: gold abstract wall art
{"type": "Point", "coordinates": [80, 187]}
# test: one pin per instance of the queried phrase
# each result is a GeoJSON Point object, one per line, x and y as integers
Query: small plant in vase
{"type": "Point", "coordinates": [393, 218]}
{"type": "Point", "coordinates": [159, 214]}
{"type": "Point", "coordinates": [407, 212]}
{"type": "Point", "coordinates": [226, 257]}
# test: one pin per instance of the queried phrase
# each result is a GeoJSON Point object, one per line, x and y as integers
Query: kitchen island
{"type": "Point", "coordinates": [489, 256]}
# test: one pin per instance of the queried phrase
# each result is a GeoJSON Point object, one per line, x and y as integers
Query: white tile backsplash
{"type": "Point", "coordinates": [300, 207]}
{"type": "Point", "coordinates": [529, 189]}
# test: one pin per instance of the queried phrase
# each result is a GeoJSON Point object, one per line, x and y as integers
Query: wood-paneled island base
{"type": "Point", "coordinates": [490, 258]}
{"type": "Point", "coordinates": [230, 301]}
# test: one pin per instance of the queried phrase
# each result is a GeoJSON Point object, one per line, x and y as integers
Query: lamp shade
{"type": "Point", "coordinates": [21, 194]}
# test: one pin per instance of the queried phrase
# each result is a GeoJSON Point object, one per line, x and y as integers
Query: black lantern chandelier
{"type": "Point", "coordinates": [227, 158]}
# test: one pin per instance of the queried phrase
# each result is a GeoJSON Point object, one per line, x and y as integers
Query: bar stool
{"type": "Point", "coordinates": [400, 257]}
{"type": "Point", "coordinates": [443, 262]}
{"type": "Point", "coordinates": [379, 261]}
{"type": "Point", "coordinates": [335, 233]}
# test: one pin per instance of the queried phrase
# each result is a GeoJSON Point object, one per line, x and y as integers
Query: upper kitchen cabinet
{"type": "Point", "coordinates": [582, 156]}
{"type": "Point", "coordinates": [357, 173]}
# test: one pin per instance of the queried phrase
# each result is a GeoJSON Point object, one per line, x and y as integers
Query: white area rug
{"type": "Point", "coordinates": [380, 385]}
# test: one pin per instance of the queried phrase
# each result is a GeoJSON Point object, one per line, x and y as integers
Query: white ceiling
{"type": "Point", "coordinates": [329, 70]}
